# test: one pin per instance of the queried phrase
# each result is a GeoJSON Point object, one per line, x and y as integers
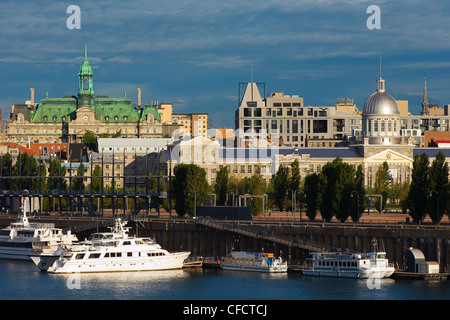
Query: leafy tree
{"type": "Point", "coordinates": [439, 186]}
{"type": "Point", "coordinates": [56, 180]}
{"type": "Point", "coordinates": [6, 171]}
{"type": "Point", "coordinates": [77, 182]}
{"type": "Point", "coordinates": [24, 169]}
{"type": "Point", "coordinates": [221, 186]}
{"type": "Point", "coordinates": [295, 178]}
{"type": "Point", "coordinates": [280, 186]}
{"type": "Point", "coordinates": [420, 188]}
{"type": "Point", "coordinates": [346, 178]}
{"type": "Point", "coordinates": [381, 185]}
{"type": "Point", "coordinates": [97, 178]}
{"type": "Point", "coordinates": [312, 195]}
{"type": "Point", "coordinates": [89, 137]}
{"type": "Point", "coordinates": [361, 193]}
{"type": "Point", "coordinates": [189, 182]}
{"type": "Point", "coordinates": [256, 186]}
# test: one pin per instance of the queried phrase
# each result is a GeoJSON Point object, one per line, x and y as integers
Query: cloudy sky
{"type": "Point", "coordinates": [195, 53]}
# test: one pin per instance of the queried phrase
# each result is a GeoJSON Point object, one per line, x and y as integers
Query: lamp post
{"type": "Point", "coordinates": [357, 204]}
{"type": "Point", "coordinates": [295, 197]}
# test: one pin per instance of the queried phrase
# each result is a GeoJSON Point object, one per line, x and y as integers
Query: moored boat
{"type": "Point", "coordinates": [22, 238]}
{"type": "Point", "coordinates": [253, 261]}
{"type": "Point", "coordinates": [111, 252]}
{"type": "Point", "coordinates": [356, 265]}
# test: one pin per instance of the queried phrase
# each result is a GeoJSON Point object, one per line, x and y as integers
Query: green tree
{"type": "Point", "coordinates": [189, 183]}
{"type": "Point", "coordinates": [381, 184]}
{"type": "Point", "coordinates": [280, 186]}
{"type": "Point", "coordinates": [221, 186]}
{"type": "Point", "coordinates": [6, 171]}
{"type": "Point", "coordinates": [56, 177]}
{"type": "Point", "coordinates": [256, 186]}
{"type": "Point", "coordinates": [78, 180]}
{"type": "Point", "coordinates": [360, 193]}
{"type": "Point", "coordinates": [312, 195]}
{"type": "Point", "coordinates": [89, 137]}
{"type": "Point", "coordinates": [346, 181]}
{"type": "Point", "coordinates": [439, 186]}
{"type": "Point", "coordinates": [419, 191]}
{"type": "Point", "coordinates": [97, 178]}
{"type": "Point", "coordinates": [26, 171]}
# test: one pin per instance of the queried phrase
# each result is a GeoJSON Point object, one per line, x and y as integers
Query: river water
{"type": "Point", "coordinates": [23, 281]}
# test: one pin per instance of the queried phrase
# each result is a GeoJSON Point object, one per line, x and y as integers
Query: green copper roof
{"type": "Point", "coordinates": [54, 110]}
{"type": "Point", "coordinates": [150, 109]}
{"type": "Point", "coordinates": [85, 67]}
{"type": "Point", "coordinates": [115, 110]}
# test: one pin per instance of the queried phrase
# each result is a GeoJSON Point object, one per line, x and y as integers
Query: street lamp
{"type": "Point", "coordinates": [295, 196]}
{"type": "Point", "coordinates": [357, 204]}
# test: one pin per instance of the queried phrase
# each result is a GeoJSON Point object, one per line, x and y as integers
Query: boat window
{"type": "Point", "coordinates": [127, 243]}
{"type": "Point", "coordinates": [79, 256]}
{"type": "Point", "coordinates": [94, 255]}
{"type": "Point", "coordinates": [130, 254]}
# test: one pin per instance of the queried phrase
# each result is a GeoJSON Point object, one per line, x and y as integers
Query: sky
{"type": "Point", "coordinates": [194, 54]}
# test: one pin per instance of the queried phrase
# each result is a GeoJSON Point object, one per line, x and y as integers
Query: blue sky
{"type": "Point", "coordinates": [194, 53]}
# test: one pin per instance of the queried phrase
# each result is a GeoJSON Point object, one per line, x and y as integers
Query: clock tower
{"type": "Point", "coordinates": [86, 84]}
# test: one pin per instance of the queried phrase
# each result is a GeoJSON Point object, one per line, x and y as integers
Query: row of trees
{"type": "Point", "coordinates": [337, 191]}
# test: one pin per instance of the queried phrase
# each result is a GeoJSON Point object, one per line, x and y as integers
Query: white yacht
{"type": "Point", "coordinates": [253, 261]}
{"type": "Point", "coordinates": [357, 265]}
{"type": "Point", "coordinates": [23, 238]}
{"type": "Point", "coordinates": [111, 251]}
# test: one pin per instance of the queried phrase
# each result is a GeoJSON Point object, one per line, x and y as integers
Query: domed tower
{"type": "Point", "coordinates": [381, 117]}
{"type": "Point", "coordinates": [86, 84]}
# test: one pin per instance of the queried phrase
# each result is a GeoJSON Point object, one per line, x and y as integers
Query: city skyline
{"type": "Point", "coordinates": [195, 53]}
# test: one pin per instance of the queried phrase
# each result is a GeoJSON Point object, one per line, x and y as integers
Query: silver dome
{"type": "Point", "coordinates": [380, 103]}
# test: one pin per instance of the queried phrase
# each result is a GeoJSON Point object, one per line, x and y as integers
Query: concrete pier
{"type": "Point", "coordinates": [176, 234]}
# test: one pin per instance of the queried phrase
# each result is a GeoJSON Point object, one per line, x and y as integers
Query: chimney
{"type": "Point", "coordinates": [32, 97]}
{"type": "Point", "coordinates": [139, 98]}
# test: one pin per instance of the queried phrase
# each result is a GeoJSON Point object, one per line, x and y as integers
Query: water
{"type": "Point", "coordinates": [23, 281]}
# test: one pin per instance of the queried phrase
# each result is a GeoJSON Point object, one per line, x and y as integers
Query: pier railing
{"type": "Point", "coordinates": [268, 235]}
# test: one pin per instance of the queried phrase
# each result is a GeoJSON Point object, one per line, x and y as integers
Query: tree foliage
{"type": "Point", "coordinates": [189, 183]}
{"type": "Point", "coordinates": [439, 186]}
{"type": "Point", "coordinates": [420, 188]}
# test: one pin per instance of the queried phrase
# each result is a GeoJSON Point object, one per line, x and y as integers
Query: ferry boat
{"type": "Point", "coordinates": [357, 265]}
{"type": "Point", "coordinates": [22, 238]}
{"type": "Point", "coordinates": [111, 251]}
{"type": "Point", "coordinates": [253, 261]}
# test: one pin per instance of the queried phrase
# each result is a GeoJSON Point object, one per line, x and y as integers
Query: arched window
{"type": "Point", "coordinates": [107, 118]}
{"type": "Point", "coordinates": [116, 118]}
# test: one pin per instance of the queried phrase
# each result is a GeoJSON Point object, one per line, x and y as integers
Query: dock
{"type": "Point", "coordinates": [419, 276]}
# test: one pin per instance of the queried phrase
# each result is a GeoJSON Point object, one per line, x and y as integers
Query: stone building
{"type": "Point", "coordinates": [65, 120]}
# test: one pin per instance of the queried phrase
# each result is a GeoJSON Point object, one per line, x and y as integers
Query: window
{"type": "Point", "coordinates": [79, 256]}
{"type": "Point", "coordinates": [94, 256]}
{"type": "Point", "coordinates": [85, 84]}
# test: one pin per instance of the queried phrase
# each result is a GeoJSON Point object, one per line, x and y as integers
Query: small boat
{"type": "Point", "coordinates": [253, 261]}
{"type": "Point", "coordinates": [23, 238]}
{"type": "Point", "coordinates": [111, 251]}
{"type": "Point", "coordinates": [356, 265]}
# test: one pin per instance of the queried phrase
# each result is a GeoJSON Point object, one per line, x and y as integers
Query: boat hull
{"type": "Point", "coordinates": [17, 253]}
{"type": "Point", "coordinates": [235, 267]}
{"type": "Point", "coordinates": [60, 265]}
{"type": "Point", "coordinates": [360, 274]}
